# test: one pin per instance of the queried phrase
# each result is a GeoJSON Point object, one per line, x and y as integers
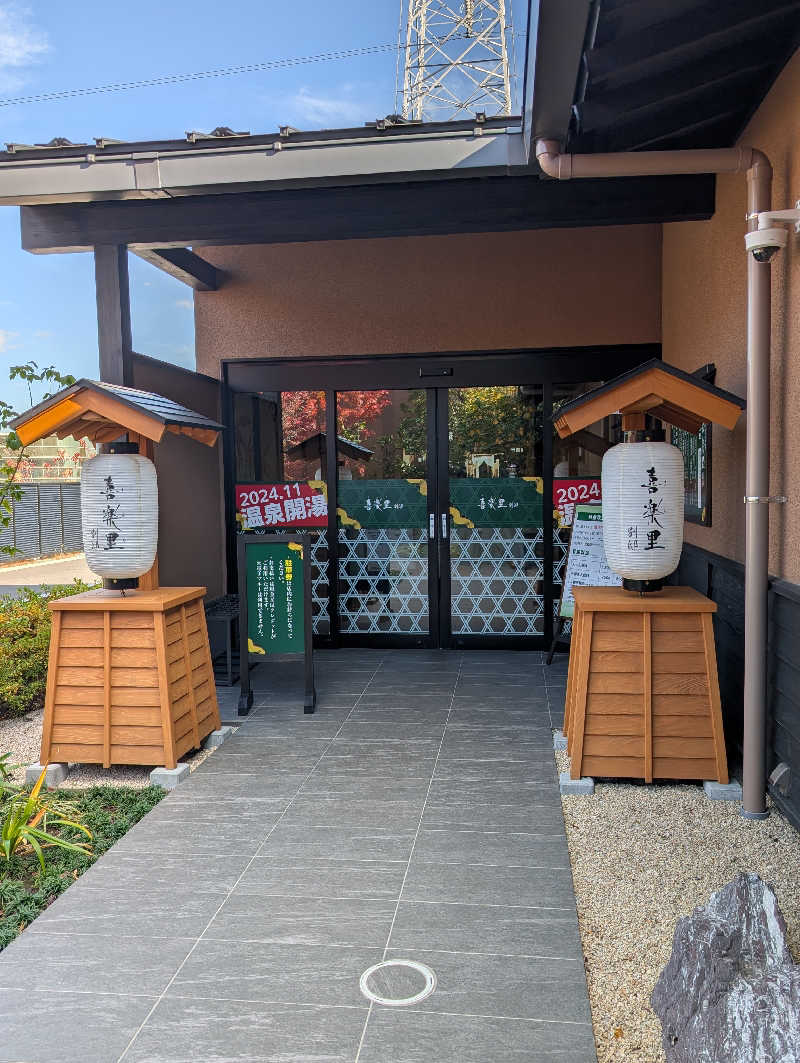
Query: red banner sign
{"type": "Point", "coordinates": [569, 493]}
{"type": "Point", "coordinates": [286, 505]}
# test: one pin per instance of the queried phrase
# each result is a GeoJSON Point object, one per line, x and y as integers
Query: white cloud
{"type": "Point", "coordinates": [6, 340]}
{"type": "Point", "coordinates": [343, 106]}
{"type": "Point", "coordinates": [21, 44]}
{"type": "Point", "coordinates": [184, 304]}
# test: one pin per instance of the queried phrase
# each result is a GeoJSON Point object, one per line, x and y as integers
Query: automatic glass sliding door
{"type": "Point", "coordinates": [385, 575]}
{"type": "Point", "coordinates": [496, 515]}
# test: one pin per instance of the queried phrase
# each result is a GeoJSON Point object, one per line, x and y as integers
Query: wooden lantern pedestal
{"type": "Point", "coordinates": [130, 679]}
{"type": "Point", "coordinates": [642, 692]}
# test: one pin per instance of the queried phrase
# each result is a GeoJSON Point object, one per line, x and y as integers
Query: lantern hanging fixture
{"type": "Point", "coordinates": [119, 515]}
{"type": "Point", "coordinates": [643, 510]}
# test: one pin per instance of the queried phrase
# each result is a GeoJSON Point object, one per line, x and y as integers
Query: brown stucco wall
{"type": "Point", "coordinates": [191, 541]}
{"type": "Point", "coordinates": [549, 288]}
{"type": "Point", "coordinates": [704, 285]}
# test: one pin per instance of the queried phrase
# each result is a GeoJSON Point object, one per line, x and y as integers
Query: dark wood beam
{"type": "Point", "coordinates": [113, 313]}
{"type": "Point", "coordinates": [184, 265]}
{"type": "Point", "coordinates": [469, 205]}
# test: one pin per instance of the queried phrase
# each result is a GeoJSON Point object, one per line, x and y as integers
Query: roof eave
{"type": "Point", "coordinates": [192, 169]}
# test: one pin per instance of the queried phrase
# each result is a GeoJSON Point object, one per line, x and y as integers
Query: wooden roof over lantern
{"type": "Point", "coordinates": [102, 412]}
{"type": "Point", "coordinates": [670, 394]}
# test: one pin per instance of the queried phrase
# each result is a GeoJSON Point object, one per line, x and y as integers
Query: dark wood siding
{"type": "Point", "coordinates": [723, 580]}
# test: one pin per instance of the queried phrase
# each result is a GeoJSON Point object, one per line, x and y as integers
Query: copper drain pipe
{"type": "Point", "coordinates": [757, 167]}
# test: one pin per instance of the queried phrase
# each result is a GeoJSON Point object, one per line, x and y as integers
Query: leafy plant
{"type": "Point", "coordinates": [28, 820]}
{"type": "Point", "coordinates": [32, 376]}
{"type": "Point", "coordinates": [107, 811]}
{"type": "Point", "coordinates": [24, 644]}
{"type": "Point", "coordinates": [7, 769]}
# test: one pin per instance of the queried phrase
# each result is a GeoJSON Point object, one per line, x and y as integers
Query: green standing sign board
{"type": "Point", "coordinates": [274, 605]}
{"type": "Point", "coordinates": [275, 598]}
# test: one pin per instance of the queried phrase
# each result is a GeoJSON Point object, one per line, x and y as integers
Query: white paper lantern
{"type": "Point", "coordinates": [119, 515]}
{"type": "Point", "coordinates": [643, 509]}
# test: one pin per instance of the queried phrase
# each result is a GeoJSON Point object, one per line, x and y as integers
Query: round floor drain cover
{"type": "Point", "coordinates": [397, 983]}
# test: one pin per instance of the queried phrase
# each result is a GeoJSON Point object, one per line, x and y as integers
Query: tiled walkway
{"type": "Point", "coordinates": [416, 816]}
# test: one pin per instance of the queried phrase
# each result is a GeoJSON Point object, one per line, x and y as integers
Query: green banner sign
{"type": "Point", "coordinates": [504, 502]}
{"type": "Point", "coordinates": [275, 606]}
{"type": "Point", "coordinates": [508, 502]}
{"type": "Point", "coordinates": [383, 503]}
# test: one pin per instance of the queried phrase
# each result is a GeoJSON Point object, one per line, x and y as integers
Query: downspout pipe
{"type": "Point", "coordinates": [756, 166]}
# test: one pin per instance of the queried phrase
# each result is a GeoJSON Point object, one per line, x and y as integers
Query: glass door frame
{"type": "Point", "coordinates": [437, 372]}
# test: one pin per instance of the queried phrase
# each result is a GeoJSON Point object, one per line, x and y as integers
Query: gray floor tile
{"type": "Point", "coordinates": [290, 844]}
{"type": "Point", "coordinates": [383, 765]}
{"type": "Point", "coordinates": [532, 887]}
{"type": "Point", "coordinates": [493, 791]}
{"type": "Point", "coordinates": [189, 834]}
{"type": "Point", "coordinates": [505, 986]}
{"type": "Point", "coordinates": [229, 787]}
{"type": "Point", "coordinates": [83, 963]}
{"type": "Point", "coordinates": [68, 1027]}
{"type": "Point", "coordinates": [144, 913]}
{"type": "Point", "coordinates": [406, 1037]}
{"type": "Point", "coordinates": [492, 745]}
{"type": "Point", "coordinates": [140, 871]}
{"type": "Point", "coordinates": [273, 745]}
{"type": "Point", "coordinates": [257, 763]}
{"type": "Point", "coordinates": [397, 730]}
{"type": "Point", "coordinates": [423, 748]}
{"type": "Point", "coordinates": [373, 787]}
{"type": "Point", "coordinates": [479, 847]}
{"type": "Point", "coordinates": [299, 920]}
{"type": "Point", "coordinates": [486, 928]}
{"type": "Point", "coordinates": [182, 1031]}
{"type": "Point", "coordinates": [290, 974]}
{"type": "Point", "coordinates": [322, 878]}
{"type": "Point", "coordinates": [450, 813]}
{"type": "Point", "coordinates": [498, 769]}
{"type": "Point", "coordinates": [354, 812]}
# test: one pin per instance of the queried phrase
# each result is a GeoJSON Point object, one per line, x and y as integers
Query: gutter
{"type": "Point", "coordinates": [179, 169]}
{"type": "Point", "coordinates": [758, 170]}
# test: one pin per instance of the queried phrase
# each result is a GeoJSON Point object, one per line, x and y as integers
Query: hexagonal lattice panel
{"type": "Point", "coordinates": [383, 581]}
{"type": "Point", "coordinates": [560, 554]}
{"type": "Point", "coordinates": [320, 593]}
{"type": "Point", "coordinates": [496, 581]}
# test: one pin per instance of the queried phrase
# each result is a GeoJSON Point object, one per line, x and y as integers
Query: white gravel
{"type": "Point", "coordinates": [643, 857]}
{"type": "Point", "coordinates": [22, 737]}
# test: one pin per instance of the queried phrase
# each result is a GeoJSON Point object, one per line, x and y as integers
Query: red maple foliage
{"type": "Point", "coordinates": [304, 416]}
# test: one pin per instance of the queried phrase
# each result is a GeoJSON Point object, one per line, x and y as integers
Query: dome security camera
{"type": "Point", "coordinates": [764, 243]}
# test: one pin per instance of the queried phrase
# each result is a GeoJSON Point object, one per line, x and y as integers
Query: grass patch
{"type": "Point", "coordinates": [108, 812]}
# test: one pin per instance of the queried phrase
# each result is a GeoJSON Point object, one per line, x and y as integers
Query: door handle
{"type": "Point", "coordinates": [431, 526]}
{"type": "Point", "coordinates": [444, 525]}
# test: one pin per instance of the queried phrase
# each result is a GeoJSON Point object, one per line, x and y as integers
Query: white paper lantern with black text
{"type": "Point", "coordinates": [643, 510]}
{"type": "Point", "coordinates": [119, 515]}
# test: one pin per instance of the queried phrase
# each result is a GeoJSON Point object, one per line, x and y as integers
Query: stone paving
{"type": "Point", "coordinates": [415, 816]}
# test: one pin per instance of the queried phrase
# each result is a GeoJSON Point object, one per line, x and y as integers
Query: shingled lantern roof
{"type": "Point", "coordinates": [659, 389]}
{"type": "Point", "coordinates": [100, 412]}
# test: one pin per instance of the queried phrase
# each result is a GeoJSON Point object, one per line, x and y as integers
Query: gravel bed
{"type": "Point", "coordinates": [642, 857]}
{"type": "Point", "coordinates": [22, 737]}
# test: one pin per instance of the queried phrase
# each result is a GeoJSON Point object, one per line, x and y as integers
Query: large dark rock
{"type": "Point", "coordinates": [731, 992]}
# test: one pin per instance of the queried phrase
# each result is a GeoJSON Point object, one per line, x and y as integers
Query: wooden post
{"type": "Point", "coordinates": [113, 313]}
{"type": "Point", "coordinates": [647, 668]}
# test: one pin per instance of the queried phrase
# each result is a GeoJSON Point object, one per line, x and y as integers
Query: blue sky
{"type": "Point", "coordinates": [47, 309]}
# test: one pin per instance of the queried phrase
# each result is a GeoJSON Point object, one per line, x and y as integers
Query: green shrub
{"type": "Point", "coordinates": [107, 812]}
{"type": "Point", "coordinates": [24, 642]}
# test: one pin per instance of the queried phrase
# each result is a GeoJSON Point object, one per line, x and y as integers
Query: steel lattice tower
{"type": "Point", "coordinates": [456, 60]}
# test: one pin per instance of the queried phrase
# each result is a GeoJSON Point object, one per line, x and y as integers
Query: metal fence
{"type": "Point", "coordinates": [46, 521]}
